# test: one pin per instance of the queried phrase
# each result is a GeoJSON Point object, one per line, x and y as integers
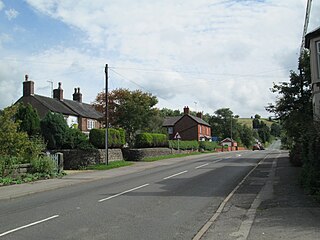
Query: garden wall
{"type": "Point", "coordinates": [77, 159]}
{"type": "Point", "coordinates": [141, 153]}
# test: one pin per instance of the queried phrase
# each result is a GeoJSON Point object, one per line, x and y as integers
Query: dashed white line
{"type": "Point", "coordinates": [28, 225]}
{"type": "Point", "coordinates": [119, 194]}
{"type": "Point", "coordinates": [175, 175]}
{"type": "Point", "coordinates": [203, 165]}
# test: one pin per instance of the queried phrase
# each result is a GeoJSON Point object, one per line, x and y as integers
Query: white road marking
{"type": "Point", "coordinates": [203, 165]}
{"type": "Point", "coordinates": [28, 225]}
{"type": "Point", "coordinates": [175, 175]}
{"type": "Point", "coordinates": [119, 194]}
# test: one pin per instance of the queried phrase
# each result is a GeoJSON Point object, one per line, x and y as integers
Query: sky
{"type": "Point", "coordinates": [205, 54]}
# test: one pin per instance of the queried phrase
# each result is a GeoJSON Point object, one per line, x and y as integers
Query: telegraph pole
{"type": "Point", "coordinates": [106, 115]}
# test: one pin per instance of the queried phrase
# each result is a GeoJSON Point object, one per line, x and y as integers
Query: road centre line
{"type": "Point", "coordinates": [175, 174]}
{"type": "Point", "coordinates": [203, 165]}
{"type": "Point", "coordinates": [119, 194]}
{"type": "Point", "coordinates": [28, 225]}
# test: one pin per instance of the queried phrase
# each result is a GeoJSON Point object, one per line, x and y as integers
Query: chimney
{"type": "Point", "coordinates": [28, 87]}
{"type": "Point", "coordinates": [77, 96]}
{"type": "Point", "coordinates": [186, 110]}
{"type": "Point", "coordinates": [58, 93]}
{"type": "Point", "coordinates": [199, 115]}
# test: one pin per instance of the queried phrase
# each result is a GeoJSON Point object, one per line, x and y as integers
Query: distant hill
{"type": "Point", "coordinates": [248, 121]}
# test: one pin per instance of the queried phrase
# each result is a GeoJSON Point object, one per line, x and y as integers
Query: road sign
{"type": "Point", "coordinates": [177, 136]}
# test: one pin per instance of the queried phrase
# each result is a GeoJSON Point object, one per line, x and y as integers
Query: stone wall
{"type": "Point", "coordinates": [141, 153]}
{"type": "Point", "coordinates": [77, 159]}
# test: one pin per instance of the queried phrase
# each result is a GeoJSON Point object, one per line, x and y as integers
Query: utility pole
{"type": "Point", "coordinates": [106, 115]}
{"type": "Point", "coordinates": [305, 27]}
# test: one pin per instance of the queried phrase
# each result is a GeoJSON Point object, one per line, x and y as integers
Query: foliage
{"type": "Point", "coordinates": [184, 145]}
{"type": "Point", "coordinates": [130, 110]}
{"type": "Point", "coordinates": [7, 165]}
{"type": "Point", "coordinates": [29, 119]}
{"type": "Point", "coordinates": [53, 129]}
{"type": "Point", "coordinates": [177, 155]}
{"type": "Point", "coordinates": [111, 165]}
{"type": "Point", "coordinates": [208, 146]}
{"type": "Point", "coordinates": [145, 140]}
{"type": "Point", "coordinates": [116, 138]}
{"type": "Point", "coordinates": [42, 164]}
{"type": "Point", "coordinates": [246, 136]}
{"type": "Point", "coordinates": [75, 139]}
{"type": "Point", "coordinates": [275, 129]}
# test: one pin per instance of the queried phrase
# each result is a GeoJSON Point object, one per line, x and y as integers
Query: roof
{"type": "Point", "coordinates": [83, 109]}
{"type": "Point", "coordinates": [69, 107]}
{"type": "Point", "coordinates": [171, 121]}
{"type": "Point", "coordinates": [54, 105]}
{"type": "Point", "coordinates": [310, 35]}
{"type": "Point", "coordinates": [228, 140]}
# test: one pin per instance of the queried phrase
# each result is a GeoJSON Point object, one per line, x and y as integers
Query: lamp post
{"type": "Point", "coordinates": [231, 131]}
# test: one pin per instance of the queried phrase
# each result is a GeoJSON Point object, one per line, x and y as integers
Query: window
{"type": "Point", "coordinates": [318, 57]}
{"type": "Point", "coordinates": [91, 124]}
{"type": "Point", "coordinates": [170, 130]}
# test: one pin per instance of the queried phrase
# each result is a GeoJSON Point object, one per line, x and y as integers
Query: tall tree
{"type": "Point", "coordinates": [29, 119]}
{"type": "Point", "coordinates": [130, 110]}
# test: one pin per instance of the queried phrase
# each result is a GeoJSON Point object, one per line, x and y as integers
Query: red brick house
{"type": "Point", "coordinates": [75, 112]}
{"type": "Point", "coordinates": [189, 127]}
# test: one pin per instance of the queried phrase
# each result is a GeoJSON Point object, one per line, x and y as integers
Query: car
{"type": "Point", "coordinates": [255, 147]}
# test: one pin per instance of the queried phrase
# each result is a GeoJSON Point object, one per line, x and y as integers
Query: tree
{"type": "Point", "coordinates": [130, 110]}
{"type": "Point", "coordinates": [53, 129]}
{"type": "Point", "coordinates": [29, 119]}
{"type": "Point", "coordinates": [275, 129]}
{"type": "Point", "coordinates": [293, 106]}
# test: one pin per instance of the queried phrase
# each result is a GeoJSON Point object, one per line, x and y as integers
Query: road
{"type": "Point", "coordinates": [166, 202]}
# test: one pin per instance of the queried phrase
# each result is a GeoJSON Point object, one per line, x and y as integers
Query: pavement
{"type": "Point", "coordinates": [270, 204]}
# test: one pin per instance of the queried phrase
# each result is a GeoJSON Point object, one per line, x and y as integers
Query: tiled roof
{"type": "Point", "coordinates": [171, 121]}
{"type": "Point", "coordinates": [83, 109]}
{"type": "Point", "coordinates": [55, 105]}
{"type": "Point", "coordinates": [69, 107]}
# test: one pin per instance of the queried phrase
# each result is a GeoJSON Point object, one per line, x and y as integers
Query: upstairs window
{"type": "Point", "coordinates": [170, 130]}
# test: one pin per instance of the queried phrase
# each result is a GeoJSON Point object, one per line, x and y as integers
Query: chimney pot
{"type": "Point", "coordinates": [58, 93]}
{"type": "Point", "coordinates": [28, 87]}
{"type": "Point", "coordinates": [186, 110]}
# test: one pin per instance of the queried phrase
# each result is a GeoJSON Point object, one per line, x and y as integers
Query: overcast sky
{"type": "Point", "coordinates": [206, 54]}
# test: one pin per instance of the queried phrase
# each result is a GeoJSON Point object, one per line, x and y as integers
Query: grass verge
{"type": "Point", "coordinates": [111, 165]}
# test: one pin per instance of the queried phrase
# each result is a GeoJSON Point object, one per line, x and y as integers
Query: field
{"type": "Point", "coordinates": [248, 121]}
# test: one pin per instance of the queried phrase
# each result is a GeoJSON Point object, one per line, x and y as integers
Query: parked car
{"type": "Point", "coordinates": [255, 147]}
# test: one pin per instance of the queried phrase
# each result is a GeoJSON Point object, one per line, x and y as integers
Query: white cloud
{"type": "Point", "coordinates": [1, 5]}
{"type": "Point", "coordinates": [11, 14]}
{"type": "Point", "coordinates": [217, 53]}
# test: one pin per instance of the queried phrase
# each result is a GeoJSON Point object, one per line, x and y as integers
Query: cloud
{"type": "Point", "coordinates": [11, 14]}
{"type": "Point", "coordinates": [217, 53]}
{"type": "Point", "coordinates": [1, 5]}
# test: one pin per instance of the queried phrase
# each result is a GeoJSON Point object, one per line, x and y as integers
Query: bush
{"type": "Point", "coordinates": [75, 139]}
{"type": "Point", "coordinates": [44, 165]}
{"type": "Point", "coordinates": [208, 146]}
{"type": "Point", "coordinates": [184, 145]}
{"type": "Point", "coordinates": [145, 140]}
{"type": "Point", "coordinates": [116, 138]}
{"type": "Point", "coordinates": [7, 165]}
{"type": "Point", "coordinates": [29, 118]}
{"type": "Point", "coordinates": [53, 129]}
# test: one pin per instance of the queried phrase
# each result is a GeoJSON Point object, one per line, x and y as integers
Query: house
{"type": "Point", "coordinates": [229, 142]}
{"type": "Point", "coordinates": [75, 112]}
{"type": "Point", "coordinates": [312, 42]}
{"type": "Point", "coordinates": [188, 127]}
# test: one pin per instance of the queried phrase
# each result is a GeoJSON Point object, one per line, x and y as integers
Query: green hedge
{"type": "Point", "coordinates": [184, 145]}
{"type": "Point", "coordinates": [116, 138]}
{"type": "Point", "coordinates": [208, 146]}
{"type": "Point", "coordinates": [145, 140]}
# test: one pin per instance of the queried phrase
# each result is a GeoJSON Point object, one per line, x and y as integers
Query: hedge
{"type": "Point", "coordinates": [208, 146]}
{"type": "Point", "coordinates": [145, 140]}
{"type": "Point", "coordinates": [184, 145]}
{"type": "Point", "coordinates": [116, 137]}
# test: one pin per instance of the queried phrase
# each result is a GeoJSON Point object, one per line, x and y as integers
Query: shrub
{"type": "Point", "coordinates": [208, 146]}
{"type": "Point", "coordinates": [44, 165]}
{"type": "Point", "coordinates": [53, 129]}
{"type": "Point", "coordinates": [7, 165]}
{"type": "Point", "coordinates": [29, 118]}
{"type": "Point", "coordinates": [184, 145]}
{"type": "Point", "coordinates": [116, 138]}
{"type": "Point", "coordinates": [145, 140]}
{"type": "Point", "coordinates": [75, 139]}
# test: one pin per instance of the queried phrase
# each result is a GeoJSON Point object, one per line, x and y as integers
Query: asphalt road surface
{"type": "Point", "coordinates": [166, 202]}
